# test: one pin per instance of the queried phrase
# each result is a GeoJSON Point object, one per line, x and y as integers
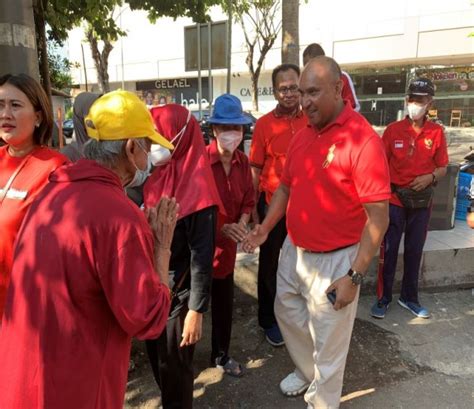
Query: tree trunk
{"type": "Point", "coordinates": [40, 24]}
{"type": "Point", "coordinates": [254, 79]}
{"type": "Point", "coordinates": [101, 60]}
{"type": "Point", "coordinates": [290, 43]}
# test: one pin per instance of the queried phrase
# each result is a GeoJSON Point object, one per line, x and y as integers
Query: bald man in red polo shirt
{"type": "Point", "coordinates": [335, 189]}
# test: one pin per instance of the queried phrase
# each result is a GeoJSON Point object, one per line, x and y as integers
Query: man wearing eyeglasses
{"type": "Point", "coordinates": [417, 156]}
{"type": "Point", "coordinates": [270, 142]}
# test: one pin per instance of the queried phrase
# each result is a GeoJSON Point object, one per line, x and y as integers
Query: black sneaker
{"type": "Point", "coordinates": [274, 337]}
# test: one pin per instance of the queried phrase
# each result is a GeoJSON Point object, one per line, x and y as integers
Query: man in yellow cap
{"type": "Point", "coordinates": [89, 272]}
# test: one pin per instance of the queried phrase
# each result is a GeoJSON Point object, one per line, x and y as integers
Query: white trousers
{"type": "Point", "coordinates": [317, 337]}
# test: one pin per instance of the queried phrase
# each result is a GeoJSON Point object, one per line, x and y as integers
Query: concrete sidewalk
{"type": "Point", "coordinates": [442, 348]}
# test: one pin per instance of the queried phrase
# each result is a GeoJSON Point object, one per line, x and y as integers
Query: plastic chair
{"type": "Point", "coordinates": [455, 117]}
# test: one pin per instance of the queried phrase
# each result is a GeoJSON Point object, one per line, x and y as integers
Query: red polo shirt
{"type": "Point", "coordinates": [410, 154]}
{"type": "Point", "coordinates": [348, 92]}
{"type": "Point", "coordinates": [331, 173]}
{"type": "Point", "coordinates": [270, 142]}
{"type": "Point", "coordinates": [238, 197]}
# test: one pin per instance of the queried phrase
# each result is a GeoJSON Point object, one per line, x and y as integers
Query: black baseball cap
{"type": "Point", "coordinates": [421, 86]}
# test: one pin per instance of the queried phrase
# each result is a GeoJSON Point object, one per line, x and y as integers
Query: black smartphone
{"type": "Point", "coordinates": [332, 296]}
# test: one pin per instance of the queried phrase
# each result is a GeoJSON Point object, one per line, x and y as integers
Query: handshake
{"type": "Point", "coordinates": [249, 239]}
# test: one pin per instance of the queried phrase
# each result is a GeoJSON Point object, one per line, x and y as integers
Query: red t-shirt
{"type": "Point", "coordinates": [331, 173]}
{"type": "Point", "coordinates": [270, 142]}
{"type": "Point", "coordinates": [27, 184]}
{"type": "Point", "coordinates": [83, 283]}
{"type": "Point", "coordinates": [348, 91]}
{"type": "Point", "coordinates": [238, 197]}
{"type": "Point", "coordinates": [410, 154]}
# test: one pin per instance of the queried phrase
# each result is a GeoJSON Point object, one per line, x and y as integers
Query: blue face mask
{"type": "Point", "coordinates": [140, 174]}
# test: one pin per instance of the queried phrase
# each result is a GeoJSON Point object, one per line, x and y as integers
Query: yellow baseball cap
{"type": "Point", "coordinates": [122, 115]}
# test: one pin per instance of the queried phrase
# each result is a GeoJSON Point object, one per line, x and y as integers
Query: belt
{"type": "Point", "coordinates": [328, 251]}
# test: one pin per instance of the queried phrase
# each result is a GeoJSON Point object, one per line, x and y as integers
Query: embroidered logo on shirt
{"type": "Point", "coordinates": [330, 156]}
{"type": "Point", "coordinates": [398, 144]}
{"type": "Point", "coordinates": [428, 143]}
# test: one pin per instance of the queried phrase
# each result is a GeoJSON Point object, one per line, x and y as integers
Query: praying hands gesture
{"type": "Point", "coordinates": [162, 220]}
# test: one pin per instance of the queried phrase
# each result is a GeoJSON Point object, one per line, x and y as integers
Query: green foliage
{"type": "Point", "coordinates": [195, 9]}
{"type": "Point", "coordinates": [101, 15]}
{"type": "Point", "coordinates": [59, 69]}
{"type": "Point", "coordinates": [63, 15]}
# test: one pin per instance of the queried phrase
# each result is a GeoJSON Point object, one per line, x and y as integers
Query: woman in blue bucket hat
{"type": "Point", "coordinates": [232, 174]}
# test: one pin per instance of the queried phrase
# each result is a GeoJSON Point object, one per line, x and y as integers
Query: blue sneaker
{"type": "Point", "coordinates": [415, 308]}
{"type": "Point", "coordinates": [380, 308]}
{"type": "Point", "coordinates": [274, 337]}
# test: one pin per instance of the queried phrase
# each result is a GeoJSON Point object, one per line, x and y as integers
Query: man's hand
{"type": "Point", "coordinates": [162, 220]}
{"type": "Point", "coordinates": [421, 182]}
{"type": "Point", "coordinates": [192, 329]}
{"type": "Point", "coordinates": [235, 231]}
{"type": "Point", "coordinates": [345, 291]}
{"type": "Point", "coordinates": [470, 219]}
{"type": "Point", "coordinates": [254, 239]}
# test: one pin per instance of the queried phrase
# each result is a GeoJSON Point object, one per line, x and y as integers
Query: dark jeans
{"type": "Point", "coordinates": [222, 302]}
{"type": "Point", "coordinates": [414, 222]}
{"type": "Point", "coordinates": [267, 267]}
{"type": "Point", "coordinates": [172, 365]}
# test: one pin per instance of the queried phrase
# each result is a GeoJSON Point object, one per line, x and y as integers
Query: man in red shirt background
{"type": "Point", "coordinates": [271, 138]}
{"type": "Point", "coordinates": [348, 92]}
{"type": "Point", "coordinates": [417, 156]}
{"type": "Point", "coordinates": [335, 190]}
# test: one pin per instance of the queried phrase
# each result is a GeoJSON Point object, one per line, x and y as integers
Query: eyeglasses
{"type": "Point", "coordinates": [288, 90]}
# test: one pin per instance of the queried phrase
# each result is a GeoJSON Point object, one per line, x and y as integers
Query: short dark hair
{"type": "Point", "coordinates": [311, 51]}
{"type": "Point", "coordinates": [283, 68]}
{"type": "Point", "coordinates": [40, 101]}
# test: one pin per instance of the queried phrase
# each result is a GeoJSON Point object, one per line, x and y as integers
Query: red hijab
{"type": "Point", "coordinates": [188, 175]}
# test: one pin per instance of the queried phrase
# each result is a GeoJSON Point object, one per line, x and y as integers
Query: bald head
{"type": "Point", "coordinates": [324, 65]}
{"type": "Point", "coordinates": [320, 91]}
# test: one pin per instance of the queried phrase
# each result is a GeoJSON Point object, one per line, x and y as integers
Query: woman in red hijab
{"type": "Point", "coordinates": [185, 174]}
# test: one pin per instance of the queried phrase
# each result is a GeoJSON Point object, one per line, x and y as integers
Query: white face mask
{"type": "Point", "coordinates": [161, 155]}
{"type": "Point", "coordinates": [229, 140]}
{"type": "Point", "coordinates": [140, 174]}
{"type": "Point", "coordinates": [415, 111]}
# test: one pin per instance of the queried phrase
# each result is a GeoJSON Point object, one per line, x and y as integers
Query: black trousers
{"type": "Point", "coordinates": [414, 222]}
{"type": "Point", "coordinates": [222, 303]}
{"type": "Point", "coordinates": [172, 365]}
{"type": "Point", "coordinates": [267, 267]}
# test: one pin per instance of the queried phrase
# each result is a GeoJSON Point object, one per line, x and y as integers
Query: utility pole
{"type": "Point", "coordinates": [17, 38]}
{"type": "Point", "coordinates": [228, 47]}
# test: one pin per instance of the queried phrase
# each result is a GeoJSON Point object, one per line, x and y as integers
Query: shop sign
{"type": "Point", "coordinates": [450, 80]}
{"type": "Point", "coordinates": [262, 91]}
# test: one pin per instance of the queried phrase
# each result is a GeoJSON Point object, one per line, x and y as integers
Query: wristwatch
{"type": "Point", "coordinates": [355, 276]}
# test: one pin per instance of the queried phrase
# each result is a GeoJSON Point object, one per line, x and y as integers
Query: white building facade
{"type": "Point", "coordinates": [381, 43]}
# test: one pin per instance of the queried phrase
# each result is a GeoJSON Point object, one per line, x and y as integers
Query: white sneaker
{"type": "Point", "coordinates": [292, 385]}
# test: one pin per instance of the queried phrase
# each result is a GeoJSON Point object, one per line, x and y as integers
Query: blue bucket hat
{"type": "Point", "coordinates": [228, 111]}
